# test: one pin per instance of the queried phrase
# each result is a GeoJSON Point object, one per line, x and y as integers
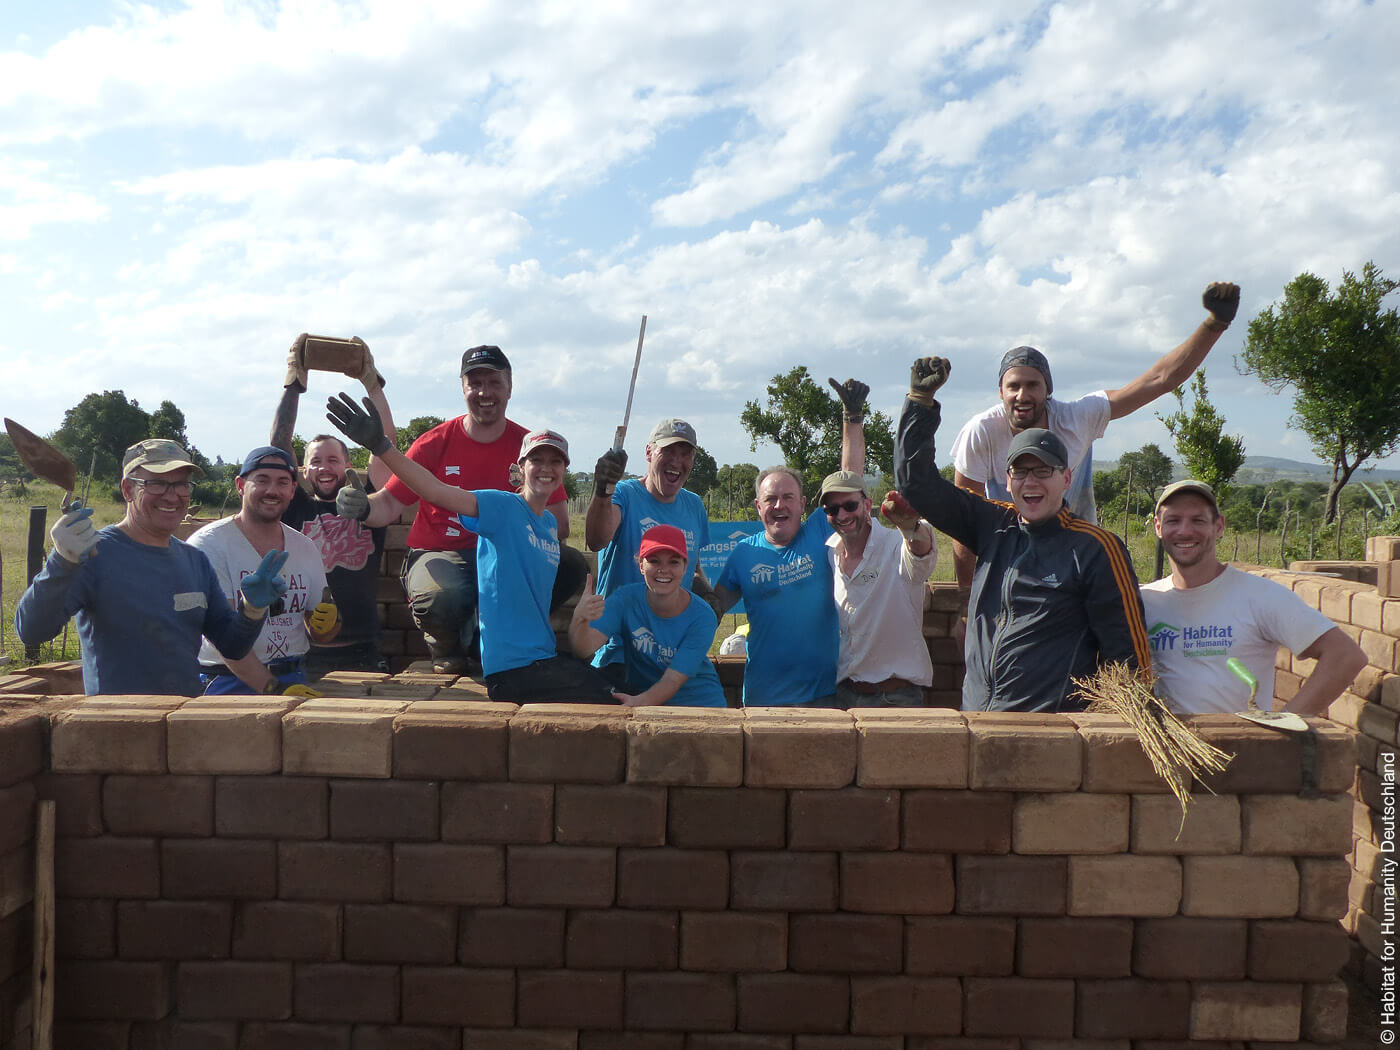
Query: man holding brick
{"type": "Point", "coordinates": [473, 451]}
{"type": "Point", "coordinates": [350, 552]}
{"type": "Point", "coordinates": [1052, 596]}
{"type": "Point", "coordinates": [784, 576]}
{"type": "Point", "coordinates": [1207, 611]}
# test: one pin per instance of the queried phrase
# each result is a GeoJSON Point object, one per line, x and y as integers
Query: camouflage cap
{"type": "Point", "coordinates": [159, 456]}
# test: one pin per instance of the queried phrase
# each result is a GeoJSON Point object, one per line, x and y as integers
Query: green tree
{"type": "Point", "coordinates": [105, 423]}
{"type": "Point", "coordinates": [415, 428]}
{"type": "Point", "coordinates": [732, 494]}
{"type": "Point", "coordinates": [1341, 354]}
{"type": "Point", "coordinates": [703, 473]}
{"type": "Point", "coordinates": [1207, 453]}
{"type": "Point", "coordinates": [804, 421]}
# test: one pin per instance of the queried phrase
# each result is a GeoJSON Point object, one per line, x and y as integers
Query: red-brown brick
{"type": "Point", "coordinates": [845, 819]}
{"type": "Point", "coordinates": [618, 939]}
{"type": "Point", "coordinates": [174, 929]}
{"type": "Point", "coordinates": [846, 943]}
{"type": "Point", "coordinates": [292, 930]}
{"type": "Point", "coordinates": [271, 807]}
{"type": "Point", "coordinates": [110, 990]}
{"type": "Point", "coordinates": [560, 876]}
{"type": "Point", "coordinates": [1296, 950]}
{"type": "Point", "coordinates": [107, 867]}
{"type": "Point", "coordinates": [672, 878]}
{"type": "Point", "coordinates": [235, 991]}
{"type": "Point", "coordinates": [897, 883]}
{"type": "Point", "coordinates": [734, 941]}
{"type": "Point", "coordinates": [529, 938]}
{"type": "Point", "coordinates": [1065, 947]}
{"type": "Point", "coordinates": [906, 1005]}
{"type": "Point", "coordinates": [165, 806]}
{"type": "Point", "coordinates": [691, 1002]}
{"type": "Point", "coordinates": [1018, 1006]}
{"type": "Point", "coordinates": [1135, 1009]}
{"type": "Point", "coordinates": [778, 881]}
{"type": "Point", "coordinates": [458, 996]}
{"type": "Point", "coordinates": [400, 933]}
{"type": "Point", "coordinates": [616, 815]}
{"type": "Point", "coordinates": [231, 868]}
{"type": "Point", "coordinates": [570, 999]}
{"type": "Point", "coordinates": [790, 1002]}
{"type": "Point", "coordinates": [346, 992]}
{"type": "Point", "coordinates": [434, 873]}
{"type": "Point", "coordinates": [958, 946]}
{"type": "Point", "coordinates": [1011, 886]}
{"type": "Point", "coordinates": [957, 821]}
{"type": "Point", "coordinates": [1186, 947]}
{"type": "Point", "coordinates": [398, 810]}
{"type": "Point", "coordinates": [498, 813]}
{"type": "Point", "coordinates": [334, 871]}
{"type": "Point", "coordinates": [727, 818]}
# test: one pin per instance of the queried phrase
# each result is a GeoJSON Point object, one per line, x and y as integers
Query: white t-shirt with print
{"type": "Point", "coordinates": [979, 450]}
{"type": "Point", "coordinates": [1194, 631]}
{"type": "Point", "coordinates": [282, 637]}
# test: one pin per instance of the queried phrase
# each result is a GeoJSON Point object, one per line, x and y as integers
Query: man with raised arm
{"type": "Point", "coordinates": [1207, 611]}
{"type": "Point", "coordinates": [784, 577]}
{"type": "Point", "coordinates": [473, 451]}
{"type": "Point", "coordinates": [142, 597]}
{"type": "Point", "coordinates": [233, 546]}
{"type": "Point", "coordinates": [1053, 596]}
{"type": "Point", "coordinates": [1024, 388]}
{"type": "Point", "coordinates": [350, 551]}
{"type": "Point", "coordinates": [622, 511]}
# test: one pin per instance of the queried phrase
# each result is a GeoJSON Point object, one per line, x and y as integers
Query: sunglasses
{"type": "Point", "coordinates": [833, 509]}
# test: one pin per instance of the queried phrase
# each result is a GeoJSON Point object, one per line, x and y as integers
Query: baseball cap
{"type": "Point", "coordinates": [670, 431]}
{"type": "Point", "coordinates": [663, 538]}
{"type": "Point", "coordinates": [484, 357]}
{"type": "Point", "coordinates": [1200, 488]}
{"type": "Point", "coordinates": [842, 481]}
{"type": "Point", "coordinates": [539, 438]}
{"type": "Point", "coordinates": [1026, 357]}
{"type": "Point", "coordinates": [281, 460]}
{"type": "Point", "coordinates": [158, 455]}
{"type": "Point", "coordinates": [1039, 443]}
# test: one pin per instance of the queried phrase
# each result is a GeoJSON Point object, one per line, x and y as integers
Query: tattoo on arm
{"type": "Point", "coordinates": [285, 421]}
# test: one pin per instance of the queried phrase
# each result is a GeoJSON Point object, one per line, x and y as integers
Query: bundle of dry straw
{"type": "Point", "coordinates": [1177, 753]}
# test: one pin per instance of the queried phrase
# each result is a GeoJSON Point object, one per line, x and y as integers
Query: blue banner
{"type": "Point", "coordinates": [724, 536]}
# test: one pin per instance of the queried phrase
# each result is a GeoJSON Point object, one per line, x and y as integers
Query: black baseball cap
{"type": "Point", "coordinates": [1026, 357]}
{"type": "Point", "coordinates": [281, 460]}
{"type": "Point", "coordinates": [1039, 443]}
{"type": "Point", "coordinates": [485, 357]}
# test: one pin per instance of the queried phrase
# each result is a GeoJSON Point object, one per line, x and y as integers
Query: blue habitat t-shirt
{"type": "Point", "coordinates": [617, 562]}
{"type": "Point", "coordinates": [793, 635]}
{"type": "Point", "coordinates": [517, 558]}
{"type": "Point", "coordinates": [652, 644]}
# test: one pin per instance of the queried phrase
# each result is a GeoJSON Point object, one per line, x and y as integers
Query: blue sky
{"type": "Point", "coordinates": [186, 186]}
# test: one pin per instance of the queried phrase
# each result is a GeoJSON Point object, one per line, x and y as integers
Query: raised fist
{"type": "Point", "coordinates": [607, 472]}
{"type": "Point", "coordinates": [926, 375]}
{"type": "Point", "coordinates": [852, 394]}
{"type": "Point", "coordinates": [1222, 299]}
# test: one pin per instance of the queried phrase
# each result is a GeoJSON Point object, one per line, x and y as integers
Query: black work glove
{"type": "Point", "coordinates": [1222, 299]}
{"type": "Point", "coordinates": [607, 472]}
{"type": "Point", "coordinates": [361, 426]}
{"type": "Point", "coordinates": [926, 375]}
{"type": "Point", "coordinates": [352, 501]}
{"type": "Point", "coordinates": [852, 394]}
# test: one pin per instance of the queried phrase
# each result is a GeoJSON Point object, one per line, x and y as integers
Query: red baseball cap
{"type": "Point", "coordinates": [663, 538]}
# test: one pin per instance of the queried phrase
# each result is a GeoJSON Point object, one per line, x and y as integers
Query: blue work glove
{"type": "Point", "coordinates": [264, 586]}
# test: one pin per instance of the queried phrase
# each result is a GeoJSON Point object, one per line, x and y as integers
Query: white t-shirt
{"type": "Point", "coordinates": [282, 637]}
{"type": "Point", "coordinates": [979, 450]}
{"type": "Point", "coordinates": [1194, 631]}
{"type": "Point", "coordinates": [880, 610]}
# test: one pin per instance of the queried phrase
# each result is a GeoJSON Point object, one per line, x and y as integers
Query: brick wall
{"type": "Point", "coordinates": [21, 759]}
{"type": "Point", "coordinates": [1365, 603]}
{"type": "Point", "coordinates": [373, 873]}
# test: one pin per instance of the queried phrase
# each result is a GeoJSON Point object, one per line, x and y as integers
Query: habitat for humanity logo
{"type": "Point", "coordinates": [761, 573]}
{"type": "Point", "coordinates": [643, 641]}
{"type": "Point", "coordinates": [1164, 637]}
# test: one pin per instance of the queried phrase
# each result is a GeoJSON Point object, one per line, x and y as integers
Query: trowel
{"type": "Point", "coordinates": [1285, 720]}
{"type": "Point", "coordinates": [44, 461]}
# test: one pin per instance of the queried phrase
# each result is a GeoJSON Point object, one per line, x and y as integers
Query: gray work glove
{"type": "Point", "coordinates": [352, 501]}
{"type": "Point", "coordinates": [1222, 299]}
{"type": "Point", "coordinates": [852, 394]}
{"type": "Point", "coordinates": [608, 471]}
{"type": "Point", "coordinates": [926, 375]}
{"type": "Point", "coordinates": [360, 425]}
{"type": "Point", "coordinates": [296, 364]}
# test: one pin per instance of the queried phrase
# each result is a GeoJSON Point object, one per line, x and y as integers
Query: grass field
{"type": "Point", "coordinates": [14, 525]}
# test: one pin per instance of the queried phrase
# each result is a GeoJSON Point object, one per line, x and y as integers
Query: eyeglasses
{"type": "Point", "coordinates": [833, 509]}
{"type": "Point", "coordinates": [160, 488]}
{"type": "Point", "coordinates": [1042, 471]}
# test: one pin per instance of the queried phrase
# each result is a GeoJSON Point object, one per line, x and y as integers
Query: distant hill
{"type": "Point", "coordinates": [1260, 470]}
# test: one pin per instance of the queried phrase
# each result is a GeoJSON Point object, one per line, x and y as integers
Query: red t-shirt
{"type": "Point", "coordinates": [459, 460]}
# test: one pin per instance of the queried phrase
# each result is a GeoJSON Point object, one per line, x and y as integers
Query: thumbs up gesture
{"type": "Point", "coordinates": [352, 501]}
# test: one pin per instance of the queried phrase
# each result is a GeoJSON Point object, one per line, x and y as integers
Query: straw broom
{"type": "Point", "coordinates": [1177, 752]}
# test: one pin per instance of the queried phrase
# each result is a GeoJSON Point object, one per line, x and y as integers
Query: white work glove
{"type": "Point", "coordinates": [73, 535]}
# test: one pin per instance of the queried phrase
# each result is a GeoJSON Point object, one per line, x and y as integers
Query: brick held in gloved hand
{"type": "Point", "coordinates": [41, 459]}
